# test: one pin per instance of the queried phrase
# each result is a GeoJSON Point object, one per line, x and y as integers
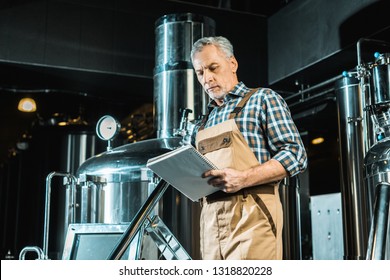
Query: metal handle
{"type": "Point", "coordinates": [36, 249]}
{"type": "Point", "coordinates": [49, 177]}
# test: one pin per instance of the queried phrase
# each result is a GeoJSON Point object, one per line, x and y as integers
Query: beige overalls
{"type": "Point", "coordinates": [246, 224]}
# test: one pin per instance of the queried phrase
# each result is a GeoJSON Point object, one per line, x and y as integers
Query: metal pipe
{"type": "Point", "coordinates": [322, 84]}
{"type": "Point", "coordinates": [351, 148]}
{"type": "Point", "coordinates": [47, 208]}
{"type": "Point", "coordinates": [70, 203]}
{"type": "Point", "coordinates": [379, 226]}
{"type": "Point", "coordinates": [138, 221]}
{"type": "Point", "coordinates": [289, 195]}
{"type": "Point", "coordinates": [320, 94]}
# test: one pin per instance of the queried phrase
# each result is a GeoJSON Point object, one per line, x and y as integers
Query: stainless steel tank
{"type": "Point", "coordinates": [175, 83]}
{"type": "Point", "coordinates": [77, 147]}
{"type": "Point", "coordinates": [66, 147]}
{"type": "Point", "coordinates": [176, 88]}
{"type": "Point", "coordinates": [377, 161]}
{"type": "Point", "coordinates": [377, 167]}
{"type": "Point", "coordinates": [290, 199]}
{"type": "Point", "coordinates": [381, 80]}
{"type": "Point", "coordinates": [377, 179]}
{"type": "Point", "coordinates": [115, 184]}
{"type": "Point", "coordinates": [351, 144]}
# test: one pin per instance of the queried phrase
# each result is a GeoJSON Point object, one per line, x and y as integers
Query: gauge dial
{"type": "Point", "coordinates": [107, 128]}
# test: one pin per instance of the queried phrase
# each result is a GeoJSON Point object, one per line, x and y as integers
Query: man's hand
{"type": "Point", "coordinates": [228, 180]}
{"type": "Point", "coordinates": [231, 180]}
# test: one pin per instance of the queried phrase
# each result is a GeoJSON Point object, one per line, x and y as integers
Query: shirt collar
{"type": "Point", "coordinates": [239, 90]}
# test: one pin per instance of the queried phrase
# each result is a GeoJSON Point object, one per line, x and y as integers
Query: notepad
{"type": "Point", "coordinates": [183, 168]}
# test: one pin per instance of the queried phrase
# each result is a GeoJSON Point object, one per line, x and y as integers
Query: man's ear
{"type": "Point", "coordinates": [234, 64]}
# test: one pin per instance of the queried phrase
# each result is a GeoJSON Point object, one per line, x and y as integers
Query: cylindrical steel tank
{"type": "Point", "coordinates": [176, 88]}
{"type": "Point", "coordinates": [114, 184]}
{"type": "Point", "coordinates": [377, 167]}
{"type": "Point", "coordinates": [377, 159]}
{"type": "Point", "coordinates": [289, 196]}
{"type": "Point", "coordinates": [76, 147]}
{"type": "Point", "coordinates": [351, 142]}
{"type": "Point", "coordinates": [381, 80]}
{"type": "Point", "coordinates": [175, 83]}
{"type": "Point", "coordinates": [376, 162]}
{"type": "Point", "coordinates": [49, 147]}
{"type": "Point", "coordinates": [377, 178]}
{"type": "Point", "coordinates": [379, 96]}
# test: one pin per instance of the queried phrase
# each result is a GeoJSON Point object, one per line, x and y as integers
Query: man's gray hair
{"type": "Point", "coordinates": [221, 42]}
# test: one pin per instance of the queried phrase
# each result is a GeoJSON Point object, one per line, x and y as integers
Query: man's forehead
{"type": "Point", "coordinates": [203, 59]}
{"type": "Point", "coordinates": [207, 49]}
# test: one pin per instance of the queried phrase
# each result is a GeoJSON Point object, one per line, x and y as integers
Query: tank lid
{"type": "Point", "coordinates": [125, 163]}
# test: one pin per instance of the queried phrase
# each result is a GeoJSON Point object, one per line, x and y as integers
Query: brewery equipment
{"type": "Point", "coordinates": [377, 160]}
{"type": "Point", "coordinates": [364, 116]}
{"type": "Point", "coordinates": [351, 140]}
{"type": "Point", "coordinates": [75, 144]}
{"type": "Point", "coordinates": [175, 84]}
{"type": "Point", "coordinates": [116, 184]}
{"type": "Point", "coordinates": [290, 199]}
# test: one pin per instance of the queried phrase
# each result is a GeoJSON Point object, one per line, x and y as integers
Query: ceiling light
{"type": "Point", "coordinates": [62, 123]}
{"type": "Point", "coordinates": [27, 105]}
{"type": "Point", "coordinates": [317, 140]}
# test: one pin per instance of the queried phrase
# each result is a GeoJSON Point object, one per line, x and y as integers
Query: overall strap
{"type": "Point", "coordinates": [242, 103]}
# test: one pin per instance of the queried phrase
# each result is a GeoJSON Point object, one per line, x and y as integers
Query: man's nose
{"type": "Point", "coordinates": [207, 76]}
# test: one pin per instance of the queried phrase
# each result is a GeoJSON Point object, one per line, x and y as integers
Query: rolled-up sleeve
{"type": "Point", "coordinates": [283, 137]}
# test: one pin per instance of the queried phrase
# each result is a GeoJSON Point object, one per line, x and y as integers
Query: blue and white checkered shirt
{"type": "Point", "coordinates": [266, 124]}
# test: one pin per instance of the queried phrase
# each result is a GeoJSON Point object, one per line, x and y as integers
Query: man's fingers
{"type": "Point", "coordinates": [210, 173]}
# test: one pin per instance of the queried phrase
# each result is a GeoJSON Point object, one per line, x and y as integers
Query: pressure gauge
{"type": "Point", "coordinates": [107, 128]}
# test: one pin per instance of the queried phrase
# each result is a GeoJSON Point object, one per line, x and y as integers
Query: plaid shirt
{"type": "Point", "coordinates": [266, 124]}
